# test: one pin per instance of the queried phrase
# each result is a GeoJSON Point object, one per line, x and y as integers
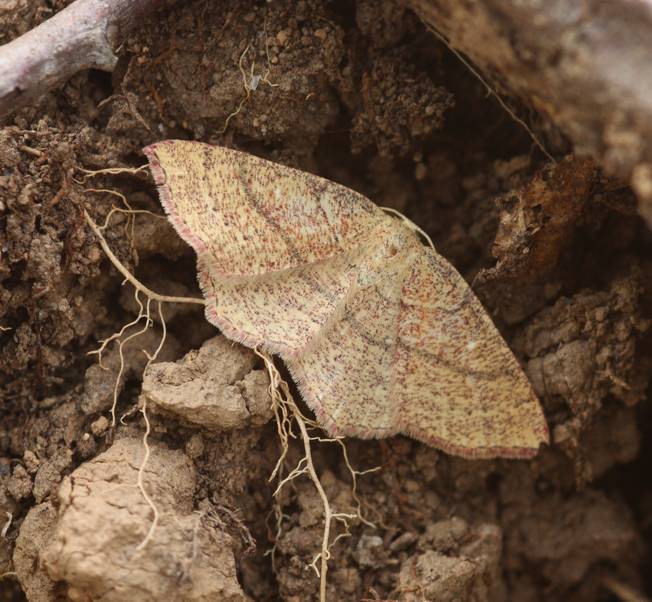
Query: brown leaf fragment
{"type": "Point", "coordinates": [537, 222]}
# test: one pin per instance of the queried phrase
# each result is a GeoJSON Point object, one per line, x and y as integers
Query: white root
{"type": "Point", "coordinates": [144, 315]}
{"type": "Point", "coordinates": [287, 412]}
{"type": "Point", "coordinates": [285, 409]}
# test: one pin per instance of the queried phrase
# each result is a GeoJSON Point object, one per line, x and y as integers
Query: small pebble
{"type": "Point", "coordinates": [31, 461]}
{"type": "Point", "coordinates": [195, 446]}
{"type": "Point", "coordinates": [420, 172]}
{"type": "Point", "coordinates": [100, 425]}
{"type": "Point", "coordinates": [282, 36]}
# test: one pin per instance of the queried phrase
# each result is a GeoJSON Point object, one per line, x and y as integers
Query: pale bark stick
{"type": "Point", "coordinates": [84, 35]}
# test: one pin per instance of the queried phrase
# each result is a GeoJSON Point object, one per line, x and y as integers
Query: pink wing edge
{"type": "Point", "coordinates": [325, 419]}
{"type": "Point", "coordinates": [244, 338]}
{"type": "Point", "coordinates": [169, 206]}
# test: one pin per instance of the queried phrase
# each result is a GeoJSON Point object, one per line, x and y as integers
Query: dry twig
{"type": "Point", "coordinates": [84, 35]}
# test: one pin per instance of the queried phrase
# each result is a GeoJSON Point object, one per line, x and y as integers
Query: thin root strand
{"type": "Point", "coordinates": [287, 413]}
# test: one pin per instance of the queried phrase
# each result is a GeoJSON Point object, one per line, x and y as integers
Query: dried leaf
{"type": "Point", "coordinates": [380, 333]}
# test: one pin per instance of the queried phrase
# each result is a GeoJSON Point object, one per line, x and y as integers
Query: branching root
{"type": "Point", "coordinates": [145, 320]}
{"type": "Point", "coordinates": [250, 81]}
{"type": "Point", "coordinates": [113, 171]}
{"type": "Point", "coordinates": [287, 414]}
{"type": "Point", "coordinates": [286, 411]}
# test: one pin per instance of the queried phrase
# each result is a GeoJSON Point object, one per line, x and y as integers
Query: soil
{"type": "Point", "coordinates": [361, 93]}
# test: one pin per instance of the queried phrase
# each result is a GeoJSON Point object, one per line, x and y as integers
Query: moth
{"type": "Point", "coordinates": [380, 333]}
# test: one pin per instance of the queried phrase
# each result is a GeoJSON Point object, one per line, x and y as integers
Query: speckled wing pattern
{"type": "Point", "coordinates": [380, 333]}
